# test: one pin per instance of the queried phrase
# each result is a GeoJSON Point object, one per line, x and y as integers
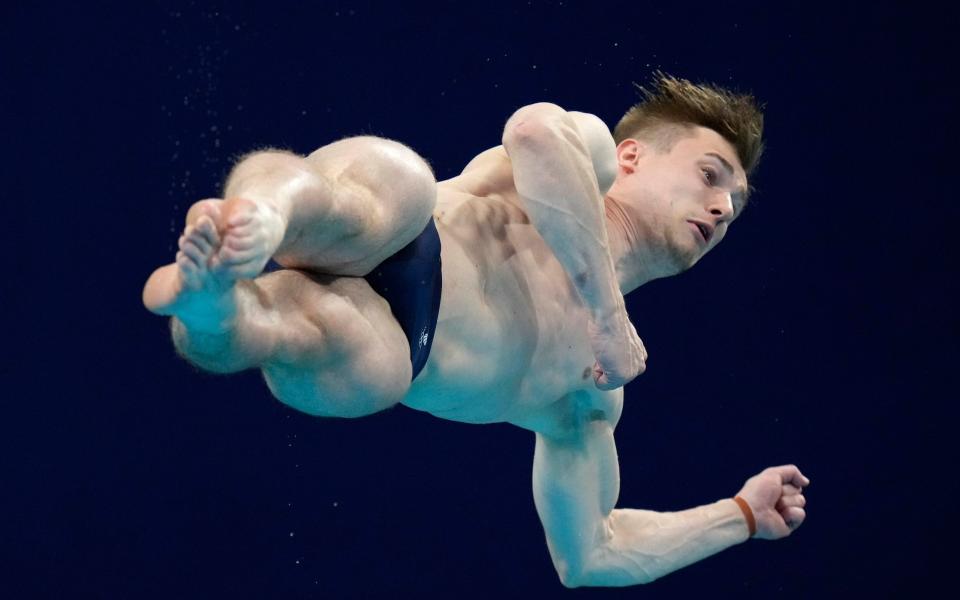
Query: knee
{"type": "Point", "coordinates": [386, 167]}
{"type": "Point", "coordinates": [403, 161]}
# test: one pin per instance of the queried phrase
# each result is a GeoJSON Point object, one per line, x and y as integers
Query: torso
{"type": "Point", "coordinates": [511, 340]}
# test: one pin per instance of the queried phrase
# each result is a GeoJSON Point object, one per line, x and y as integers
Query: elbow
{"type": "Point", "coordinates": [574, 572]}
{"type": "Point", "coordinates": [572, 580]}
{"type": "Point", "coordinates": [569, 577]}
{"type": "Point", "coordinates": [532, 125]}
{"type": "Point", "coordinates": [597, 573]}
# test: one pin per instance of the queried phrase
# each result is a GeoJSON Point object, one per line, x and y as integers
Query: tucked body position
{"type": "Point", "coordinates": [355, 281]}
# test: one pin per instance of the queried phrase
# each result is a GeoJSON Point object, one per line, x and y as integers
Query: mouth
{"type": "Point", "coordinates": [703, 230]}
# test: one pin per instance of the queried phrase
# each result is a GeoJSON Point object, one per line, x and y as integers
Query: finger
{"type": "Point", "coordinates": [794, 517]}
{"type": "Point", "coordinates": [791, 474]}
{"type": "Point", "coordinates": [604, 383]}
{"type": "Point", "coordinates": [791, 490]}
{"type": "Point", "coordinates": [598, 374]}
{"type": "Point", "coordinates": [787, 501]}
{"type": "Point", "coordinates": [600, 380]}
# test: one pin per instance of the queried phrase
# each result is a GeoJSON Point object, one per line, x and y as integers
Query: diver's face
{"type": "Point", "coordinates": [682, 201]}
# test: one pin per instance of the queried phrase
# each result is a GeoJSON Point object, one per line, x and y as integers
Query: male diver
{"type": "Point", "coordinates": [495, 296]}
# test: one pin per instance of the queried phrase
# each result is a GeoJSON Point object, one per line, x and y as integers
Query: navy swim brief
{"type": "Point", "coordinates": [410, 281]}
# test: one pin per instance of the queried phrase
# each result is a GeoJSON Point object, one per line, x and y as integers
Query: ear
{"type": "Point", "coordinates": [629, 153]}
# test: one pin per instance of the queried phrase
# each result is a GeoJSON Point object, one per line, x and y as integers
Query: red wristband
{"type": "Point", "coordinates": [751, 522]}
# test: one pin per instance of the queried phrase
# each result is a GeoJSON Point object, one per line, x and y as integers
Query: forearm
{"type": "Point", "coordinates": [643, 545]}
{"type": "Point", "coordinates": [576, 484]}
{"type": "Point", "coordinates": [556, 180]}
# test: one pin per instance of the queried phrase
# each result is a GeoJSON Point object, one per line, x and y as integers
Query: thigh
{"type": "Point", "coordinates": [340, 352]}
{"type": "Point", "coordinates": [372, 176]}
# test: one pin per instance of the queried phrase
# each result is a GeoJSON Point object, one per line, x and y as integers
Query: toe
{"type": "Point", "coordinates": [186, 264]}
{"type": "Point", "coordinates": [209, 207]}
{"type": "Point", "coordinates": [240, 242]}
{"type": "Point", "coordinates": [237, 220]}
{"type": "Point", "coordinates": [191, 249]}
{"type": "Point", "coordinates": [201, 242]}
{"type": "Point", "coordinates": [231, 256]}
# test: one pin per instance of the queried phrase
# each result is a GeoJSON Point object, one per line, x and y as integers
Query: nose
{"type": "Point", "coordinates": [721, 206]}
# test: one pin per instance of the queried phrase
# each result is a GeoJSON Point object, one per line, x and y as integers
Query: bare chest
{"type": "Point", "coordinates": [511, 333]}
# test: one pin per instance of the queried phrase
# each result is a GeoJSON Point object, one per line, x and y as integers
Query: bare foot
{"type": "Point", "coordinates": [194, 288]}
{"type": "Point", "coordinates": [252, 232]}
{"type": "Point", "coordinates": [224, 241]}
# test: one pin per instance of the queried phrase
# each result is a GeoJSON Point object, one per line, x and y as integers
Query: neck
{"type": "Point", "coordinates": [634, 264]}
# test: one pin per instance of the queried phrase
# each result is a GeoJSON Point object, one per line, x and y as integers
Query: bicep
{"type": "Point", "coordinates": [576, 482]}
{"type": "Point", "coordinates": [578, 476]}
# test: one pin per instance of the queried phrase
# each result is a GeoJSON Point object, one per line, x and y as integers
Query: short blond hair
{"type": "Point", "coordinates": [675, 105]}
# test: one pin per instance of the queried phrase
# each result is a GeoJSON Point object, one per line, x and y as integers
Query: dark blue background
{"type": "Point", "coordinates": [822, 332]}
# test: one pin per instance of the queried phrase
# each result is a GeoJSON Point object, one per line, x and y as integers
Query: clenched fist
{"type": "Point", "coordinates": [620, 355]}
{"type": "Point", "coordinates": [776, 498]}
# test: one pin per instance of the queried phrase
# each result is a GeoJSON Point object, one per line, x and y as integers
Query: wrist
{"type": "Point", "coordinates": [610, 312]}
{"type": "Point", "coordinates": [748, 515]}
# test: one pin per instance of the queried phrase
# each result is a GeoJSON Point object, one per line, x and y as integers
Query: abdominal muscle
{"type": "Point", "coordinates": [511, 337]}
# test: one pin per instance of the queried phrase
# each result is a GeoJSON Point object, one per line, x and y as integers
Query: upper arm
{"type": "Point", "coordinates": [576, 481]}
{"type": "Point", "coordinates": [544, 118]}
{"type": "Point", "coordinates": [600, 144]}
